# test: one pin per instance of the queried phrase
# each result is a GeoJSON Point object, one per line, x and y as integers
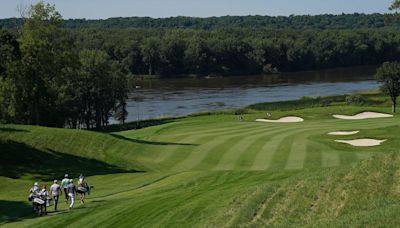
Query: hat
{"type": "Point", "coordinates": [55, 181]}
{"type": "Point", "coordinates": [71, 181]}
{"type": "Point", "coordinates": [66, 175]}
{"type": "Point", "coordinates": [36, 184]}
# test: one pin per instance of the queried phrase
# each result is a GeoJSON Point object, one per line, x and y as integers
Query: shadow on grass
{"type": "Point", "coordinates": [138, 125]}
{"type": "Point", "coordinates": [18, 159]}
{"type": "Point", "coordinates": [6, 129]}
{"type": "Point", "coordinates": [12, 211]}
{"type": "Point", "coordinates": [152, 142]}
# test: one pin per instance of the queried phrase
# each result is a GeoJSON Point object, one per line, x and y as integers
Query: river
{"type": "Point", "coordinates": [157, 98]}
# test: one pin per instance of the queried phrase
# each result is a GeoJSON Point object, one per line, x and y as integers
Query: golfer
{"type": "Point", "coordinates": [71, 193]}
{"type": "Point", "coordinates": [55, 191]}
{"type": "Point", "coordinates": [64, 185]}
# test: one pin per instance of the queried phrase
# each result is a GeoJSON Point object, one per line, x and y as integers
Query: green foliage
{"type": "Point", "coordinates": [239, 51]}
{"type": "Point", "coordinates": [40, 76]}
{"type": "Point", "coordinates": [389, 75]}
{"type": "Point", "coordinates": [326, 21]}
{"type": "Point", "coordinates": [151, 58]}
{"type": "Point", "coordinates": [103, 89]}
{"type": "Point", "coordinates": [9, 49]}
{"type": "Point", "coordinates": [46, 80]}
{"type": "Point", "coordinates": [304, 102]}
{"type": "Point", "coordinates": [355, 99]}
{"type": "Point", "coordinates": [395, 5]}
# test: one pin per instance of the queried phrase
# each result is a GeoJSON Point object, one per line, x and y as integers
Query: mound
{"type": "Point", "coordinates": [48, 152]}
{"type": "Point", "coordinates": [343, 133]}
{"type": "Point", "coordinates": [288, 119]}
{"type": "Point", "coordinates": [362, 142]}
{"type": "Point", "coordinates": [363, 115]}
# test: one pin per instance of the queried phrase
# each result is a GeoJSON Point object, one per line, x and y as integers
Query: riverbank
{"type": "Point", "coordinates": [341, 72]}
{"type": "Point", "coordinates": [370, 98]}
{"type": "Point", "coordinates": [166, 98]}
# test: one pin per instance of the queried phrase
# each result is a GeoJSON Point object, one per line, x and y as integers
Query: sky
{"type": "Point", "coordinates": [101, 9]}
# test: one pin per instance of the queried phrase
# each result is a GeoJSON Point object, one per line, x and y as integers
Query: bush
{"type": "Point", "coordinates": [269, 69]}
{"type": "Point", "coordinates": [241, 111]}
{"type": "Point", "coordinates": [326, 102]}
{"type": "Point", "coordinates": [355, 99]}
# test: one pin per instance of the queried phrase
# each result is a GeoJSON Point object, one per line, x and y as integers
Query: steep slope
{"type": "Point", "coordinates": [48, 152]}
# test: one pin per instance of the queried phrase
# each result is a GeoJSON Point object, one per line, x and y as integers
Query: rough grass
{"type": "Point", "coordinates": [213, 171]}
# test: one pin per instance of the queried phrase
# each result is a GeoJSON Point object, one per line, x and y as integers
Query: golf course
{"type": "Point", "coordinates": [213, 170]}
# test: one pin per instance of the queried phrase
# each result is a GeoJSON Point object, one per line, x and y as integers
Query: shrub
{"type": "Point", "coordinates": [355, 99]}
{"type": "Point", "coordinates": [326, 102]}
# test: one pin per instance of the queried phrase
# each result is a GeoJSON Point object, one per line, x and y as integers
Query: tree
{"type": "Point", "coordinates": [102, 86]}
{"type": "Point", "coordinates": [395, 5]}
{"type": "Point", "coordinates": [150, 51]}
{"type": "Point", "coordinates": [9, 49]}
{"type": "Point", "coordinates": [41, 76]}
{"type": "Point", "coordinates": [389, 75]}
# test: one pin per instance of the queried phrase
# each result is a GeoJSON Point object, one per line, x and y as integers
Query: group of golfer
{"type": "Point", "coordinates": [56, 190]}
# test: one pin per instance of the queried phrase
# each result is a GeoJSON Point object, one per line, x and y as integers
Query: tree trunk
{"type": "Point", "coordinates": [394, 107]}
{"type": "Point", "coordinates": [394, 104]}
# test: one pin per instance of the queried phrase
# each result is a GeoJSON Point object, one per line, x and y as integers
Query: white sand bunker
{"type": "Point", "coordinates": [362, 142]}
{"type": "Point", "coordinates": [344, 133]}
{"type": "Point", "coordinates": [288, 119]}
{"type": "Point", "coordinates": [363, 116]}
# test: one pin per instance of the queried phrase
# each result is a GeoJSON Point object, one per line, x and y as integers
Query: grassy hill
{"type": "Point", "coordinates": [213, 170]}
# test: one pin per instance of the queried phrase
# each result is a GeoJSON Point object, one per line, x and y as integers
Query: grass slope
{"type": "Point", "coordinates": [213, 171]}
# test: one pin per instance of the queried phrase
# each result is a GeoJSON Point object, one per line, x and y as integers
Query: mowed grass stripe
{"type": "Point", "coordinates": [236, 144]}
{"type": "Point", "coordinates": [280, 158]}
{"type": "Point", "coordinates": [203, 152]}
{"type": "Point", "coordinates": [329, 156]}
{"type": "Point", "coordinates": [348, 158]}
{"type": "Point", "coordinates": [212, 128]}
{"type": "Point", "coordinates": [240, 150]}
{"type": "Point", "coordinates": [264, 158]}
{"type": "Point", "coordinates": [181, 153]}
{"type": "Point", "coordinates": [193, 138]}
{"type": "Point", "coordinates": [260, 144]}
{"type": "Point", "coordinates": [298, 152]}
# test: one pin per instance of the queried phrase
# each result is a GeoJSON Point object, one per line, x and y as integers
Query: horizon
{"type": "Point", "coordinates": [180, 8]}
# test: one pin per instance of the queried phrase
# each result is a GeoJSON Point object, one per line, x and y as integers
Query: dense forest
{"type": "Point", "coordinates": [46, 80]}
{"type": "Point", "coordinates": [326, 21]}
{"type": "Point", "coordinates": [235, 45]}
{"type": "Point", "coordinates": [239, 51]}
{"type": "Point", "coordinates": [74, 73]}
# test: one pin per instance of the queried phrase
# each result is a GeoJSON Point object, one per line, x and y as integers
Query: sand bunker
{"type": "Point", "coordinates": [362, 142]}
{"type": "Point", "coordinates": [288, 119]}
{"type": "Point", "coordinates": [343, 133]}
{"type": "Point", "coordinates": [363, 116]}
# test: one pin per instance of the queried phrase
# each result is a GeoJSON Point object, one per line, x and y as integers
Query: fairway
{"type": "Point", "coordinates": [171, 174]}
{"type": "Point", "coordinates": [224, 143]}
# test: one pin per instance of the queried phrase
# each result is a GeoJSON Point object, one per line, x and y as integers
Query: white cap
{"type": "Point", "coordinates": [36, 184]}
{"type": "Point", "coordinates": [55, 181]}
{"type": "Point", "coordinates": [66, 175]}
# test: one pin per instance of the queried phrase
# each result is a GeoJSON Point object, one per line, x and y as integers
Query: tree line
{"type": "Point", "coordinates": [326, 21]}
{"type": "Point", "coordinates": [241, 51]}
{"type": "Point", "coordinates": [45, 79]}
{"type": "Point", "coordinates": [55, 76]}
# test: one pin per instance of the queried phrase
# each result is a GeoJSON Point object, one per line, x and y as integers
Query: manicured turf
{"type": "Point", "coordinates": [213, 171]}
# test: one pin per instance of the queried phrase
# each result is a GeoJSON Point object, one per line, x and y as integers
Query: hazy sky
{"type": "Point", "coordinates": [199, 8]}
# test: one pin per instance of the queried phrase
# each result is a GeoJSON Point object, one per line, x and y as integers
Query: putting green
{"type": "Point", "coordinates": [211, 170]}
